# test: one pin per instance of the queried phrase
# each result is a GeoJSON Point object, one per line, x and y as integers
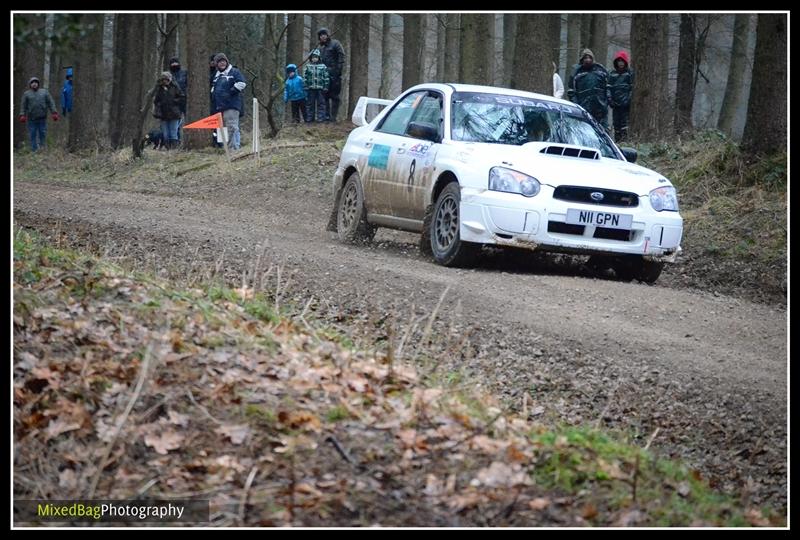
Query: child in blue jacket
{"type": "Point", "coordinates": [294, 92]}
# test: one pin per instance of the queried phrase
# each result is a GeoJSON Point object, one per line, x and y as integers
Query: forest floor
{"type": "Point", "coordinates": [693, 368]}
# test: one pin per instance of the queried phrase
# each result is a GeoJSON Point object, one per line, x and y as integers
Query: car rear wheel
{"type": "Point", "coordinates": [446, 245]}
{"type": "Point", "coordinates": [351, 217]}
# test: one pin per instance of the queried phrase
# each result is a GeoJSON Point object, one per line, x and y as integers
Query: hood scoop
{"type": "Point", "coordinates": [570, 151]}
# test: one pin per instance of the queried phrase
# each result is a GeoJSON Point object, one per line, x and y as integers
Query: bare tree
{"type": "Point", "coordinates": [599, 38]}
{"type": "Point", "coordinates": [198, 92]}
{"type": "Point", "coordinates": [413, 41]}
{"type": "Point", "coordinates": [573, 42]}
{"type": "Point", "coordinates": [85, 121]}
{"type": "Point", "coordinates": [736, 72]}
{"type": "Point", "coordinates": [359, 59]}
{"type": "Point", "coordinates": [684, 98]}
{"type": "Point", "coordinates": [441, 44]}
{"type": "Point", "coordinates": [646, 45]}
{"type": "Point", "coordinates": [295, 39]}
{"type": "Point", "coordinates": [386, 57]}
{"type": "Point", "coordinates": [452, 38]}
{"type": "Point", "coordinates": [128, 77]}
{"type": "Point", "coordinates": [532, 68]}
{"type": "Point", "coordinates": [765, 127]}
{"type": "Point", "coordinates": [509, 46]}
{"type": "Point", "coordinates": [476, 56]}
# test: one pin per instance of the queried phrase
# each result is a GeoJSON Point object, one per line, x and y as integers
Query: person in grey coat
{"type": "Point", "coordinates": [36, 104]}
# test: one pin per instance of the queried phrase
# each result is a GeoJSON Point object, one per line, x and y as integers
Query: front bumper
{"type": "Point", "coordinates": [491, 217]}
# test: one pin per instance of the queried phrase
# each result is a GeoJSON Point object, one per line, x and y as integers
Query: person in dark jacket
{"type": "Point", "coordinates": [588, 87]}
{"type": "Point", "coordinates": [332, 55]}
{"type": "Point", "coordinates": [620, 85]}
{"type": "Point", "coordinates": [36, 104]}
{"type": "Point", "coordinates": [212, 70]}
{"type": "Point", "coordinates": [66, 94]}
{"type": "Point", "coordinates": [180, 76]}
{"type": "Point", "coordinates": [168, 101]}
{"type": "Point", "coordinates": [294, 92]}
{"type": "Point", "coordinates": [226, 90]}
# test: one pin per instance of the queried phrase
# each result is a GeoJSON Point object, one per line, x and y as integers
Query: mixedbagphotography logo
{"type": "Point", "coordinates": [106, 511]}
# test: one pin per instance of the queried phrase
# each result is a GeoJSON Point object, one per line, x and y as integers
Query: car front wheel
{"type": "Point", "coordinates": [630, 268]}
{"type": "Point", "coordinates": [351, 217]}
{"type": "Point", "coordinates": [446, 245]}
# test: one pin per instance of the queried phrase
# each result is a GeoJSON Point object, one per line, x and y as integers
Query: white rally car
{"type": "Point", "coordinates": [470, 165]}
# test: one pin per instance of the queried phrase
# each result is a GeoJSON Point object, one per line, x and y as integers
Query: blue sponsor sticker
{"type": "Point", "coordinates": [379, 157]}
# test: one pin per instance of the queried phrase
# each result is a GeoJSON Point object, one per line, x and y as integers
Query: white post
{"type": "Point", "coordinates": [256, 129]}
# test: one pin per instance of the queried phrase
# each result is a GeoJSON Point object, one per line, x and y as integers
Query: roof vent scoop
{"type": "Point", "coordinates": [568, 151]}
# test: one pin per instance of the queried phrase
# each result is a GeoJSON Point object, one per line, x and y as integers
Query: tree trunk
{"type": "Point", "coordinates": [127, 90]}
{"type": "Point", "coordinates": [341, 31]}
{"type": "Point", "coordinates": [477, 48]}
{"type": "Point", "coordinates": [765, 128]}
{"type": "Point", "coordinates": [665, 104]}
{"type": "Point", "coordinates": [586, 30]}
{"type": "Point", "coordinates": [295, 40]}
{"type": "Point", "coordinates": [441, 44]}
{"type": "Point", "coordinates": [532, 71]}
{"type": "Point", "coordinates": [553, 39]}
{"type": "Point", "coordinates": [413, 45]}
{"type": "Point", "coordinates": [736, 72]}
{"type": "Point", "coordinates": [88, 106]}
{"type": "Point", "coordinates": [646, 45]}
{"type": "Point", "coordinates": [509, 43]}
{"type": "Point", "coordinates": [314, 25]}
{"type": "Point", "coordinates": [452, 38]}
{"type": "Point", "coordinates": [684, 95]}
{"type": "Point", "coordinates": [573, 42]}
{"type": "Point", "coordinates": [599, 38]}
{"type": "Point", "coordinates": [198, 92]}
{"type": "Point", "coordinates": [359, 59]}
{"type": "Point", "coordinates": [386, 57]}
{"type": "Point", "coordinates": [169, 45]}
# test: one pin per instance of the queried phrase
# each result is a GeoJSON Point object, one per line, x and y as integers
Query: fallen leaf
{"type": "Point", "coordinates": [67, 479]}
{"type": "Point", "coordinates": [59, 426]}
{"type": "Point", "coordinates": [539, 503]}
{"type": "Point", "coordinates": [168, 440]}
{"type": "Point", "coordinates": [178, 419]}
{"type": "Point", "coordinates": [684, 489]}
{"type": "Point", "coordinates": [589, 511]}
{"type": "Point", "coordinates": [235, 432]}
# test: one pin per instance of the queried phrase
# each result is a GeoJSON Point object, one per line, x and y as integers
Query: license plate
{"type": "Point", "coordinates": [597, 218]}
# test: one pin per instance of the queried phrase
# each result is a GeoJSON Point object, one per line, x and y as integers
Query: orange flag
{"type": "Point", "coordinates": [209, 122]}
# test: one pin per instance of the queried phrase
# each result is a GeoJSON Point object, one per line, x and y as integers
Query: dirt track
{"type": "Point", "coordinates": [708, 371]}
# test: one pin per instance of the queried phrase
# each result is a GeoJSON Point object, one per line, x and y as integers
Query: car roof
{"type": "Point", "coordinates": [458, 87]}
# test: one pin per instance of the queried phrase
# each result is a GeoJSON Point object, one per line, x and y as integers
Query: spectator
{"type": "Point", "coordinates": [227, 88]}
{"type": "Point", "coordinates": [332, 55]}
{"type": "Point", "coordinates": [180, 76]}
{"type": "Point", "coordinates": [212, 70]}
{"type": "Point", "coordinates": [168, 101]}
{"type": "Point", "coordinates": [588, 87]}
{"type": "Point", "coordinates": [36, 103]}
{"type": "Point", "coordinates": [620, 83]}
{"type": "Point", "coordinates": [558, 84]}
{"type": "Point", "coordinates": [295, 93]}
{"type": "Point", "coordinates": [66, 94]}
{"type": "Point", "coordinates": [318, 82]}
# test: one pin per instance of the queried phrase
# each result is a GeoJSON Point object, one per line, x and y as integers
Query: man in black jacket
{"type": "Point", "coordinates": [332, 55]}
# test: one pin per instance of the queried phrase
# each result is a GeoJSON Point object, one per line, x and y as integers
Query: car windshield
{"type": "Point", "coordinates": [502, 119]}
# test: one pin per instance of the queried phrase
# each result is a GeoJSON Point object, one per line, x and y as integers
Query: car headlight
{"type": "Point", "coordinates": [502, 179]}
{"type": "Point", "coordinates": [664, 198]}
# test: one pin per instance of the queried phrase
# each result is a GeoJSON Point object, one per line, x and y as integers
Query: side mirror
{"type": "Point", "coordinates": [423, 130]}
{"type": "Point", "coordinates": [630, 154]}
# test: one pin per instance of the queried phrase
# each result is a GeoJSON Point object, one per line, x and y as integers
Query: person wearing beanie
{"type": "Point", "coordinates": [317, 81]}
{"type": "Point", "coordinates": [181, 78]}
{"type": "Point", "coordinates": [36, 104]}
{"type": "Point", "coordinates": [226, 91]}
{"type": "Point", "coordinates": [66, 94]}
{"type": "Point", "coordinates": [168, 101]}
{"type": "Point", "coordinates": [620, 84]}
{"type": "Point", "coordinates": [294, 92]}
{"type": "Point", "coordinates": [588, 87]}
{"type": "Point", "coordinates": [332, 55]}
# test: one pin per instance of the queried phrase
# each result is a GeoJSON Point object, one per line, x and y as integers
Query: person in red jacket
{"type": "Point", "coordinates": [620, 90]}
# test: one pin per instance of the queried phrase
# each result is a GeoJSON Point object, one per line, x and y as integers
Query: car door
{"type": "Point", "coordinates": [383, 146]}
{"type": "Point", "coordinates": [412, 168]}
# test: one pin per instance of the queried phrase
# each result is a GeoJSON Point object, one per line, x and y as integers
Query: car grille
{"type": "Point", "coordinates": [604, 233]}
{"type": "Point", "coordinates": [583, 195]}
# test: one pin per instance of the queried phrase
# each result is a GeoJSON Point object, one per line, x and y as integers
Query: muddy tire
{"type": "Point", "coordinates": [425, 238]}
{"type": "Point", "coordinates": [351, 214]}
{"type": "Point", "coordinates": [444, 230]}
{"type": "Point", "coordinates": [630, 268]}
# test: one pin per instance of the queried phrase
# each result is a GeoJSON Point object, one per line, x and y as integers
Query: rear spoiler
{"type": "Point", "coordinates": [360, 112]}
